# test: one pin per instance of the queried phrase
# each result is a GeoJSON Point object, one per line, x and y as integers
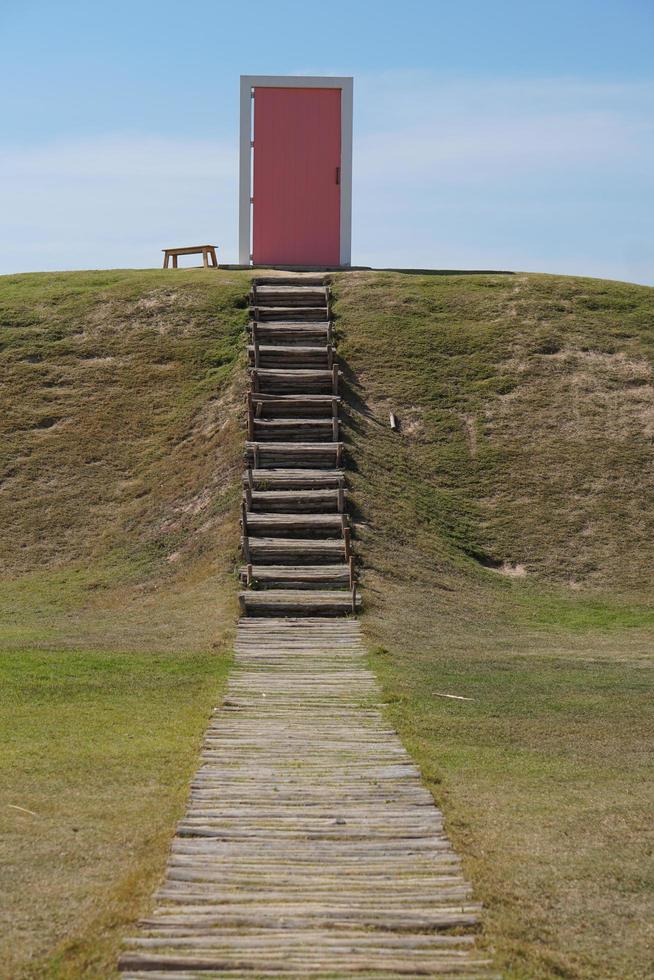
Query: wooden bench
{"type": "Point", "coordinates": [207, 252]}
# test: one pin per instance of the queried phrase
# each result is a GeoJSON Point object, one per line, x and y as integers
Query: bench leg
{"type": "Point", "coordinates": [205, 259]}
{"type": "Point", "coordinates": [165, 262]}
{"type": "Point", "coordinates": [174, 261]}
{"type": "Point", "coordinates": [214, 260]}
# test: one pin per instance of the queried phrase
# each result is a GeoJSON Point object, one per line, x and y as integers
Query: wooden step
{"type": "Point", "coordinates": [288, 313]}
{"type": "Point", "coordinates": [291, 355]}
{"type": "Point", "coordinates": [284, 406]}
{"type": "Point", "coordinates": [320, 455]}
{"type": "Point", "coordinates": [294, 525]}
{"type": "Point", "coordinates": [296, 501]}
{"type": "Point", "coordinates": [298, 576]}
{"type": "Point", "coordinates": [291, 382]}
{"type": "Point", "coordinates": [308, 280]}
{"type": "Point", "coordinates": [292, 333]}
{"type": "Point", "coordinates": [294, 551]}
{"type": "Point", "coordinates": [293, 430]}
{"type": "Point", "coordinates": [298, 602]}
{"type": "Point", "coordinates": [289, 296]}
{"type": "Point", "coordinates": [292, 479]}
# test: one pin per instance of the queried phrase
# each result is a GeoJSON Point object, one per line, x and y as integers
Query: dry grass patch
{"type": "Point", "coordinates": [534, 456]}
{"type": "Point", "coordinates": [121, 448]}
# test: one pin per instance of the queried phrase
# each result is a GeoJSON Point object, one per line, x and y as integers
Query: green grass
{"type": "Point", "coordinates": [506, 535]}
{"type": "Point", "coordinates": [99, 746]}
{"type": "Point", "coordinates": [507, 540]}
{"type": "Point", "coordinates": [121, 441]}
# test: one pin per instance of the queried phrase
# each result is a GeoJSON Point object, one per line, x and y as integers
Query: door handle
{"type": "Point", "coordinates": [338, 175]}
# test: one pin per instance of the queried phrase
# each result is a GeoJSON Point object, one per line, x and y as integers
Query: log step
{"type": "Point", "coordinates": [294, 454]}
{"type": "Point", "coordinates": [290, 356]}
{"type": "Point", "coordinates": [285, 525]}
{"type": "Point", "coordinates": [291, 405]}
{"type": "Point", "coordinates": [287, 296]}
{"type": "Point", "coordinates": [292, 430]}
{"type": "Point", "coordinates": [294, 551]}
{"type": "Point", "coordinates": [288, 313]}
{"type": "Point", "coordinates": [284, 281]}
{"type": "Point", "coordinates": [291, 333]}
{"type": "Point", "coordinates": [293, 479]}
{"type": "Point", "coordinates": [297, 576]}
{"type": "Point", "coordinates": [299, 381]}
{"type": "Point", "coordinates": [300, 602]}
{"type": "Point", "coordinates": [293, 501]}
{"type": "Point", "coordinates": [284, 286]}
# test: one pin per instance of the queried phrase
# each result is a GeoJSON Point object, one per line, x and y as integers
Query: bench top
{"type": "Point", "coordinates": [189, 250]}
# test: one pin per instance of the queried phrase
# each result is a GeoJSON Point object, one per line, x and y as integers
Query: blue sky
{"type": "Point", "coordinates": [514, 135]}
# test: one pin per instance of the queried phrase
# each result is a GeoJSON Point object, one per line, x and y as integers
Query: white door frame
{"type": "Point", "coordinates": [248, 83]}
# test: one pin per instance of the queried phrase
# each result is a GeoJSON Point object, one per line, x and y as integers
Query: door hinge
{"type": "Point", "coordinates": [251, 144]}
{"type": "Point", "coordinates": [338, 175]}
{"type": "Point", "coordinates": [251, 200]}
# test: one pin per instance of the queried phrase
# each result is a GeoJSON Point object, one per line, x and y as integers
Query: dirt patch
{"type": "Point", "coordinates": [160, 299]}
{"type": "Point", "coordinates": [512, 571]}
{"type": "Point", "coordinates": [470, 425]}
{"type": "Point", "coordinates": [408, 419]}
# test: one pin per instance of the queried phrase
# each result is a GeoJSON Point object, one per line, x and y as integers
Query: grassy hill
{"type": "Point", "coordinates": [506, 533]}
{"type": "Point", "coordinates": [121, 439]}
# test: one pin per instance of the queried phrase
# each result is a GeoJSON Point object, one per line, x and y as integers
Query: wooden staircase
{"type": "Point", "coordinates": [295, 528]}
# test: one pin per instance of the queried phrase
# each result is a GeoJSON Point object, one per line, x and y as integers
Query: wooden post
{"type": "Point", "coordinates": [165, 261]}
{"type": "Point", "coordinates": [335, 429]}
{"type": "Point", "coordinates": [174, 261]}
{"type": "Point", "coordinates": [354, 598]}
{"type": "Point", "coordinates": [248, 573]}
{"type": "Point", "coordinates": [351, 567]}
{"type": "Point", "coordinates": [341, 500]}
{"type": "Point", "coordinates": [335, 379]}
{"type": "Point", "coordinates": [250, 480]}
{"type": "Point", "coordinates": [250, 417]}
{"type": "Point", "coordinates": [205, 258]}
{"type": "Point", "coordinates": [347, 542]}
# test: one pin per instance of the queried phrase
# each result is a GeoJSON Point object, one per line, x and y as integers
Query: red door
{"type": "Point", "coordinates": [297, 158]}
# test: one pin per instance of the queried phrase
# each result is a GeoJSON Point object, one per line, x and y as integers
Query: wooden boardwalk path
{"type": "Point", "coordinates": [309, 847]}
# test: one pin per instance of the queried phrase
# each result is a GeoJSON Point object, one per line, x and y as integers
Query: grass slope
{"type": "Point", "coordinates": [120, 446]}
{"type": "Point", "coordinates": [507, 541]}
{"type": "Point", "coordinates": [506, 537]}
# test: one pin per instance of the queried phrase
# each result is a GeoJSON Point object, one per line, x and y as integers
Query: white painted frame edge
{"type": "Point", "coordinates": [248, 82]}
